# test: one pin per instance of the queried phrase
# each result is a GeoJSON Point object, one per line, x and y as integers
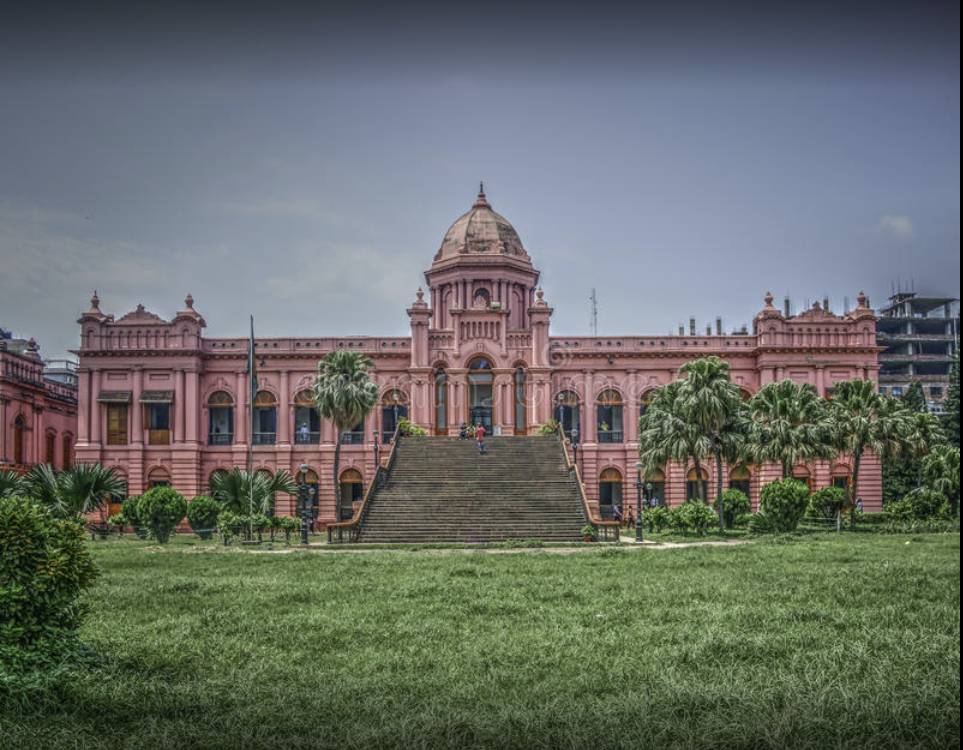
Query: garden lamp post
{"type": "Point", "coordinates": [638, 501]}
{"type": "Point", "coordinates": [376, 435]}
{"type": "Point", "coordinates": [395, 396]}
{"type": "Point", "coordinates": [575, 443]}
{"type": "Point", "coordinates": [648, 498]}
{"type": "Point", "coordinates": [303, 497]}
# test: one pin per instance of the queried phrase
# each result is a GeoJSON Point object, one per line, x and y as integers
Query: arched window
{"type": "Point", "coordinates": [740, 479]}
{"type": "Point", "coordinates": [220, 407]}
{"type": "Point", "coordinates": [610, 417]}
{"type": "Point", "coordinates": [481, 299]}
{"type": "Point", "coordinates": [521, 409]}
{"type": "Point", "coordinates": [19, 425]}
{"type": "Point", "coordinates": [158, 478]}
{"type": "Point", "coordinates": [842, 478]}
{"type": "Point", "coordinates": [265, 419]}
{"type": "Point", "coordinates": [610, 491]}
{"type": "Point", "coordinates": [352, 492]}
{"type": "Point", "coordinates": [481, 401]}
{"type": "Point", "coordinates": [394, 406]}
{"type": "Point", "coordinates": [441, 402]}
{"type": "Point", "coordinates": [645, 401]}
{"type": "Point", "coordinates": [655, 486]}
{"type": "Point", "coordinates": [68, 450]}
{"type": "Point", "coordinates": [50, 449]}
{"type": "Point", "coordinates": [692, 484]}
{"type": "Point", "coordinates": [567, 412]}
{"type": "Point", "coordinates": [307, 421]}
{"type": "Point", "coordinates": [803, 475]}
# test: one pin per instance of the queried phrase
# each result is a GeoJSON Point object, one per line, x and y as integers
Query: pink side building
{"type": "Point", "coordinates": [165, 404]}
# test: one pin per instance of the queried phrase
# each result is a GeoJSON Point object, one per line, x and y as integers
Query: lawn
{"type": "Point", "coordinates": [814, 641]}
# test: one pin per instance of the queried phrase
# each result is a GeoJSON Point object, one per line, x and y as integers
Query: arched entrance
{"type": "Point", "coordinates": [352, 492]}
{"type": "Point", "coordinates": [481, 393]}
{"type": "Point", "coordinates": [394, 406]}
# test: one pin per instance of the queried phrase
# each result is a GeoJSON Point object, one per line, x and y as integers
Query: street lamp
{"type": "Point", "coordinates": [575, 443]}
{"type": "Point", "coordinates": [376, 434]}
{"type": "Point", "coordinates": [648, 497]}
{"type": "Point", "coordinates": [395, 396]}
{"type": "Point", "coordinates": [303, 502]}
{"type": "Point", "coordinates": [638, 502]}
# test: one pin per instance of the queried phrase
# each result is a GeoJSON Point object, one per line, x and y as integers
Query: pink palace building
{"type": "Point", "coordinates": [165, 404]}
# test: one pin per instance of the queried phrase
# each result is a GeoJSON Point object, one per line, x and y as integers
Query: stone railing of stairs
{"type": "Point", "coordinates": [439, 490]}
{"type": "Point", "coordinates": [606, 530]}
{"type": "Point", "coordinates": [349, 531]}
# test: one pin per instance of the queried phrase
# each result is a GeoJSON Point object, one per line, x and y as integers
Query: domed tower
{"type": "Point", "coordinates": [481, 264]}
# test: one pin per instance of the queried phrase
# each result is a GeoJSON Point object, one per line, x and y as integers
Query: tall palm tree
{"type": "Point", "coordinates": [234, 489]}
{"type": "Point", "coordinates": [790, 425]}
{"type": "Point", "coordinates": [867, 421]}
{"type": "Point", "coordinates": [924, 433]}
{"type": "Point", "coordinates": [344, 393]}
{"type": "Point", "coordinates": [712, 401]}
{"type": "Point", "coordinates": [666, 435]}
{"type": "Point", "coordinates": [941, 470]}
{"type": "Point", "coordinates": [81, 489]}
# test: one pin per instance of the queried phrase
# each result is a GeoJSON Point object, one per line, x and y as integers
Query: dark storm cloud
{"type": "Point", "coordinates": [391, 39]}
{"type": "Point", "coordinates": [302, 162]}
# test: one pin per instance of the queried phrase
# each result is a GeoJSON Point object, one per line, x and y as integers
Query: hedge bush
{"type": "Point", "coordinates": [826, 502]}
{"type": "Point", "coordinates": [161, 509]}
{"type": "Point", "coordinates": [44, 567]}
{"type": "Point", "coordinates": [202, 514]}
{"type": "Point", "coordinates": [693, 516]}
{"type": "Point", "coordinates": [131, 511]}
{"type": "Point", "coordinates": [735, 506]}
{"type": "Point", "coordinates": [783, 503]}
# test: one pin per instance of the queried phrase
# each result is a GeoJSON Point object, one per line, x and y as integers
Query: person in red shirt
{"type": "Point", "coordinates": [480, 439]}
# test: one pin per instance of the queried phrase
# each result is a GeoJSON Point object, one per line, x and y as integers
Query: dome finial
{"type": "Point", "coordinates": [481, 201]}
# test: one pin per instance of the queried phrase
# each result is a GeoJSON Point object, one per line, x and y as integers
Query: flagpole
{"type": "Point", "coordinates": [252, 372]}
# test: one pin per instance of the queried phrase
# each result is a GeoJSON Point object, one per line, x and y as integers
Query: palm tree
{"type": "Point", "coordinates": [941, 470]}
{"type": "Point", "coordinates": [924, 433]}
{"type": "Point", "coordinates": [345, 394]}
{"type": "Point", "coordinates": [234, 489]}
{"type": "Point", "coordinates": [714, 403]}
{"type": "Point", "coordinates": [867, 421]}
{"type": "Point", "coordinates": [81, 489]}
{"type": "Point", "coordinates": [790, 425]}
{"type": "Point", "coordinates": [9, 483]}
{"type": "Point", "coordinates": [666, 435]}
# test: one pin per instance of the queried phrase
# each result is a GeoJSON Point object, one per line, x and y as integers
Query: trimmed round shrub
{"type": "Point", "coordinates": [202, 514]}
{"type": "Point", "coordinates": [657, 518]}
{"type": "Point", "coordinates": [131, 511]}
{"type": "Point", "coordinates": [693, 516]}
{"type": "Point", "coordinates": [826, 502]}
{"type": "Point", "coordinates": [735, 506]}
{"type": "Point", "coordinates": [783, 502]}
{"type": "Point", "coordinates": [44, 567]}
{"type": "Point", "coordinates": [161, 508]}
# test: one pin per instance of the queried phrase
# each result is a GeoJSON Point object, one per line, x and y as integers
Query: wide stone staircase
{"type": "Point", "coordinates": [440, 490]}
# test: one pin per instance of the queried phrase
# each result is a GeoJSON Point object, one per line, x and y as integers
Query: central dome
{"type": "Point", "coordinates": [481, 232]}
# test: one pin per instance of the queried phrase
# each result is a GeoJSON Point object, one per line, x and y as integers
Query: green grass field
{"type": "Point", "coordinates": [817, 641]}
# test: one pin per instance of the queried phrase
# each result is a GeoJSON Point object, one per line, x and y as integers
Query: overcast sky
{"type": "Point", "coordinates": [302, 163]}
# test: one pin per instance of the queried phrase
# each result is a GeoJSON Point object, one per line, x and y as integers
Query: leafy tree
{"type": "Point", "coordinates": [867, 421]}
{"type": "Point", "coordinates": [162, 508]}
{"type": "Point", "coordinates": [903, 473]}
{"type": "Point", "coordinates": [826, 502]}
{"type": "Point", "coordinates": [202, 514]}
{"type": "Point", "coordinates": [81, 489]}
{"type": "Point", "coordinates": [345, 394]}
{"type": "Point", "coordinates": [44, 567]}
{"type": "Point", "coordinates": [951, 404]}
{"type": "Point", "coordinates": [790, 425]}
{"type": "Point", "coordinates": [783, 503]}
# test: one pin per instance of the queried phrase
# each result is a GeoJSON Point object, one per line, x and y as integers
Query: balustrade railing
{"type": "Point", "coordinates": [349, 531]}
{"type": "Point", "coordinates": [610, 436]}
{"type": "Point", "coordinates": [606, 531]}
{"type": "Point", "coordinates": [352, 438]}
{"type": "Point", "coordinates": [220, 438]}
{"type": "Point", "coordinates": [307, 438]}
{"type": "Point", "coordinates": [264, 438]}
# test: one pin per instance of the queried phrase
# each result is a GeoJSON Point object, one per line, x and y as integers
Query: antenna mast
{"type": "Point", "coordinates": [594, 314]}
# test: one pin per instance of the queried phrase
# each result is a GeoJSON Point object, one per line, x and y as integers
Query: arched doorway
{"type": "Point", "coordinates": [220, 410]}
{"type": "Point", "coordinates": [307, 421]}
{"type": "Point", "coordinates": [394, 406]}
{"type": "Point", "coordinates": [481, 390]}
{"type": "Point", "coordinates": [610, 417]}
{"type": "Point", "coordinates": [610, 491]}
{"type": "Point", "coordinates": [352, 492]}
{"type": "Point", "coordinates": [655, 486]}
